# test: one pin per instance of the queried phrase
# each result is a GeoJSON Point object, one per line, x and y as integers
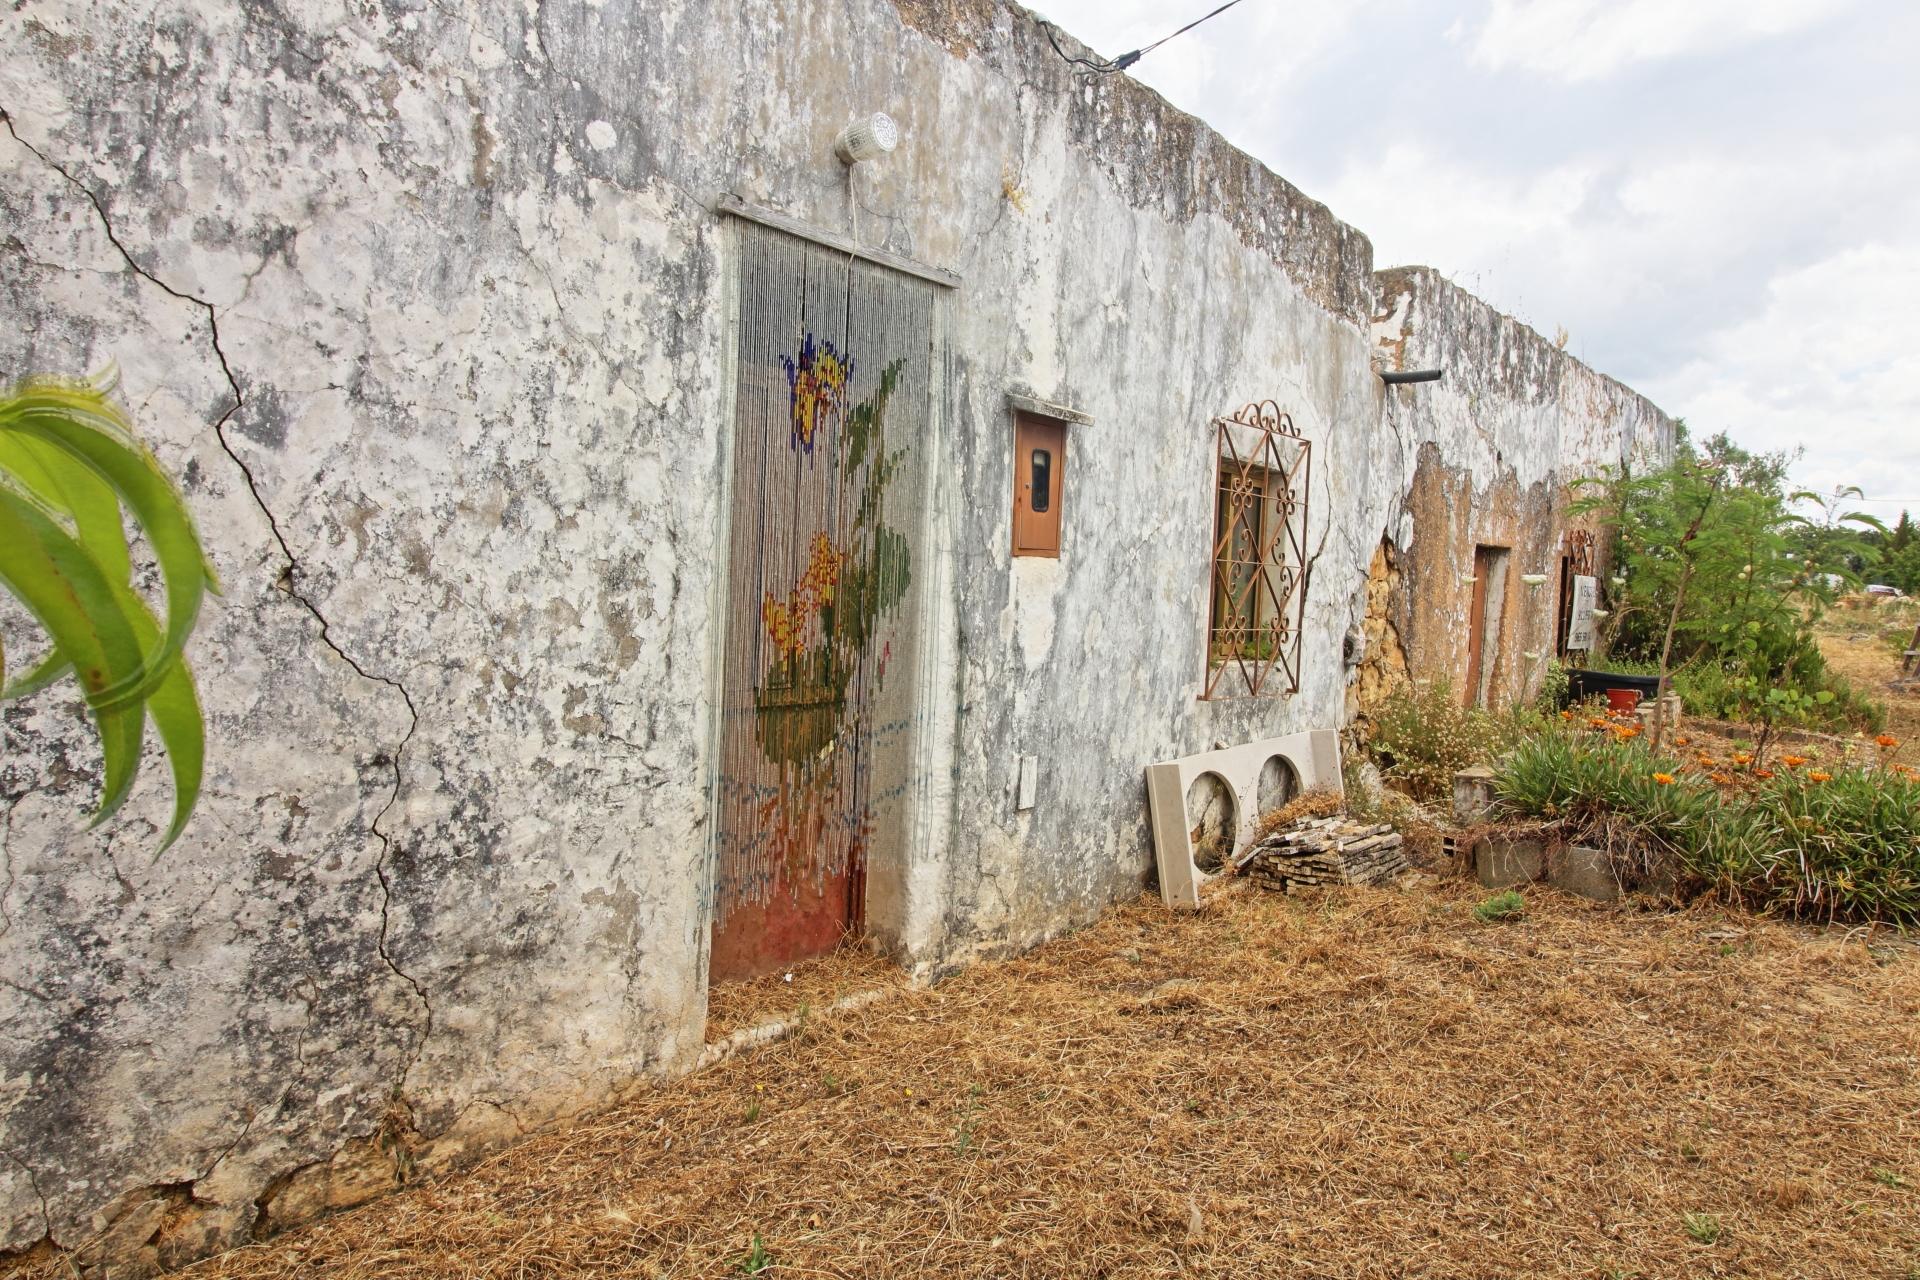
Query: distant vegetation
{"type": "Point", "coordinates": [1715, 560]}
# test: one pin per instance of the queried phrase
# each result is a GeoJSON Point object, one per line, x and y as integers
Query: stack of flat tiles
{"type": "Point", "coordinates": [1323, 851]}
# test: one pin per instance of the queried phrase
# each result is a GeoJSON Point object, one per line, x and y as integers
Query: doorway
{"type": "Point", "coordinates": [1484, 617]}
{"type": "Point", "coordinates": [834, 368]}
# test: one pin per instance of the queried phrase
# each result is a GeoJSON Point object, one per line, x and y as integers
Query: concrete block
{"type": "Point", "coordinates": [1315, 760]}
{"type": "Point", "coordinates": [1670, 722]}
{"type": "Point", "coordinates": [1472, 795]}
{"type": "Point", "coordinates": [1500, 862]}
{"type": "Point", "coordinates": [1587, 872]}
{"type": "Point", "coordinates": [1662, 880]}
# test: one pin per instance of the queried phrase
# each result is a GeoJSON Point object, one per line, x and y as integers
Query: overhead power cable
{"type": "Point", "coordinates": [1106, 67]}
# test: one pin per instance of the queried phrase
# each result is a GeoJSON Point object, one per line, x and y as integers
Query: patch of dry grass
{"type": "Point", "coordinates": [804, 990]}
{"type": "Point", "coordinates": [1366, 1084]}
{"type": "Point", "coordinates": [1856, 646]}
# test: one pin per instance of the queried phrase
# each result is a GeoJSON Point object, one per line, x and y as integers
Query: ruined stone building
{"type": "Point", "coordinates": [652, 546]}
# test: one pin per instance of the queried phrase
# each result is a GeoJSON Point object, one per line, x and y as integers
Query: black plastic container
{"type": "Point", "coordinates": [1594, 684]}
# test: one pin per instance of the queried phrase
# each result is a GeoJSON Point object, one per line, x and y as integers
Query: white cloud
{"type": "Point", "coordinates": [1675, 268]}
{"type": "Point", "coordinates": [1587, 39]}
{"type": "Point", "coordinates": [1420, 208]}
{"type": "Point", "coordinates": [1719, 199]}
{"type": "Point", "coordinates": [1829, 364]}
{"type": "Point", "coordinates": [1227, 70]}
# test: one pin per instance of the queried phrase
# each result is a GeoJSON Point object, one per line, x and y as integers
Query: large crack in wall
{"type": "Point", "coordinates": [474, 468]}
{"type": "Point", "coordinates": [126, 1234]}
{"type": "Point", "coordinates": [291, 582]}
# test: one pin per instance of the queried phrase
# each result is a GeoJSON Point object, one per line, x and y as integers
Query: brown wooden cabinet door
{"type": "Point", "coordinates": [1039, 471]}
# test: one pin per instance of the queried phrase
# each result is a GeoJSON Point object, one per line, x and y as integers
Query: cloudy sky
{"type": "Point", "coordinates": [1719, 200]}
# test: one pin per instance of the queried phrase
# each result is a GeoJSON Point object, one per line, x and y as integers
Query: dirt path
{"type": "Point", "coordinates": [1363, 1085]}
{"type": "Point", "coordinates": [1860, 645]}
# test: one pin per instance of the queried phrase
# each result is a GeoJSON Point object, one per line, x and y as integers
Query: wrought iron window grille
{"type": "Point", "coordinates": [1257, 574]}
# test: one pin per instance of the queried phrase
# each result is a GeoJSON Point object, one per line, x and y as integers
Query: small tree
{"type": "Point", "coordinates": [69, 462]}
{"type": "Point", "coordinates": [1716, 568]}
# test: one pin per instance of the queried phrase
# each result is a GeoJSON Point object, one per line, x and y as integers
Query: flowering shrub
{"type": "Point", "coordinates": [1843, 845]}
{"type": "Point", "coordinates": [1604, 785]}
{"type": "Point", "coordinates": [1839, 844]}
{"type": "Point", "coordinates": [1422, 736]}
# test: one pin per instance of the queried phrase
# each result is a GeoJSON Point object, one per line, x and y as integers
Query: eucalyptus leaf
{"type": "Point", "coordinates": [78, 420]}
{"type": "Point", "coordinates": [71, 470]}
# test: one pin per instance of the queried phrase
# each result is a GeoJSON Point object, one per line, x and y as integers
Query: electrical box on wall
{"type": "Point", "coordinates": [1039, 474]}
{"type": "Point", "coordinates": [1039, 470]}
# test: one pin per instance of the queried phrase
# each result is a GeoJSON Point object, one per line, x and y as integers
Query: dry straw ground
{"type": "Point", "coordinates": [1863, 643]}
{"type": "Point", "coordinates": [1366, 1084]}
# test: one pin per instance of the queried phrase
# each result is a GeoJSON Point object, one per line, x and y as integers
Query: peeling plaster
{"type": "Point", "coordinates": [429, 312]}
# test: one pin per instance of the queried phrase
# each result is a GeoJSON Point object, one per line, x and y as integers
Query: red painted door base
{"type": "Point", "coordinates": [793, 923]}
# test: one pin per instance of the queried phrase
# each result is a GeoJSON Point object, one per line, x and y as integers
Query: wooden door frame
{"type": "Point", "coordinates": [1476, 628]}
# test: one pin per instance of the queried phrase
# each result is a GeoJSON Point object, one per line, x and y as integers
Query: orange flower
{"type": "Point", "coordinates": [1706, 761]}
{"type": "Point", "coordinates": [1817, 776]}
{"type": "Point", "coordinates": [779, 623]}
{"type": "Point", "coordinates": [823, 570]}
{"type": "Point", "coordinates": [1721, 778]}
{"type": "Point", "coordinates": [1888, 741]}
{"type": "Point", "coordinates": [1763, 773]}
{"type": "Point", "coordinates": [1566, 715]}
{"type": "Point", "coordinates": [1664, 779]}
{"type": "Point", "coordinates": [1743, 757]}
{"type": "Point", "coordinates": [1793, 762]}
{"type": "Point", "coordinates": [1682, 740]}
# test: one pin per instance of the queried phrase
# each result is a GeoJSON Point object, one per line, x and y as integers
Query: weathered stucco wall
{"type": "Point", "coordinates": [429, 308]}
{"type": "Point", "coordinates": [445, 873]}
{"type": "Point", "coordinates": [1498, 441]}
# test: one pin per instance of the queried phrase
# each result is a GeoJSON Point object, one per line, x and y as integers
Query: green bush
{"type": "Point", "coordinates": [1804, 695]}
{"type": "Point", "coordinates": [1591, 785]}
{"type": "Point", "coordinates": [1553, 689]}
{"type": "Point", "coordinates": [1713, 556]}
{"type": "Point", "coordinates": [1843, 849]}
{"type": "Point", "coordinates": [1809, 696]}
{"type": "Point", "coordinates": [1501, 906]}
{"type": "Point", "coordinates": [1839, 846]}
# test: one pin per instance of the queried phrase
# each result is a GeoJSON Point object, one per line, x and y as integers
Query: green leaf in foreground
{"type": "Point", "coordinates": [69, 464]}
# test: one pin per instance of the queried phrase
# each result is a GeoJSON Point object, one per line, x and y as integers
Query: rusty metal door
{"type": "Point", "coordinates": [834, 376]}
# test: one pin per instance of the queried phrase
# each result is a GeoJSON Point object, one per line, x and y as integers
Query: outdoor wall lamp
{"type": "Point", "coordinates": [867, 139]}
{"type": "Point", "coordinates": [1534, 579]}
{"type": "Point", "coordinates": [1411, 375]}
